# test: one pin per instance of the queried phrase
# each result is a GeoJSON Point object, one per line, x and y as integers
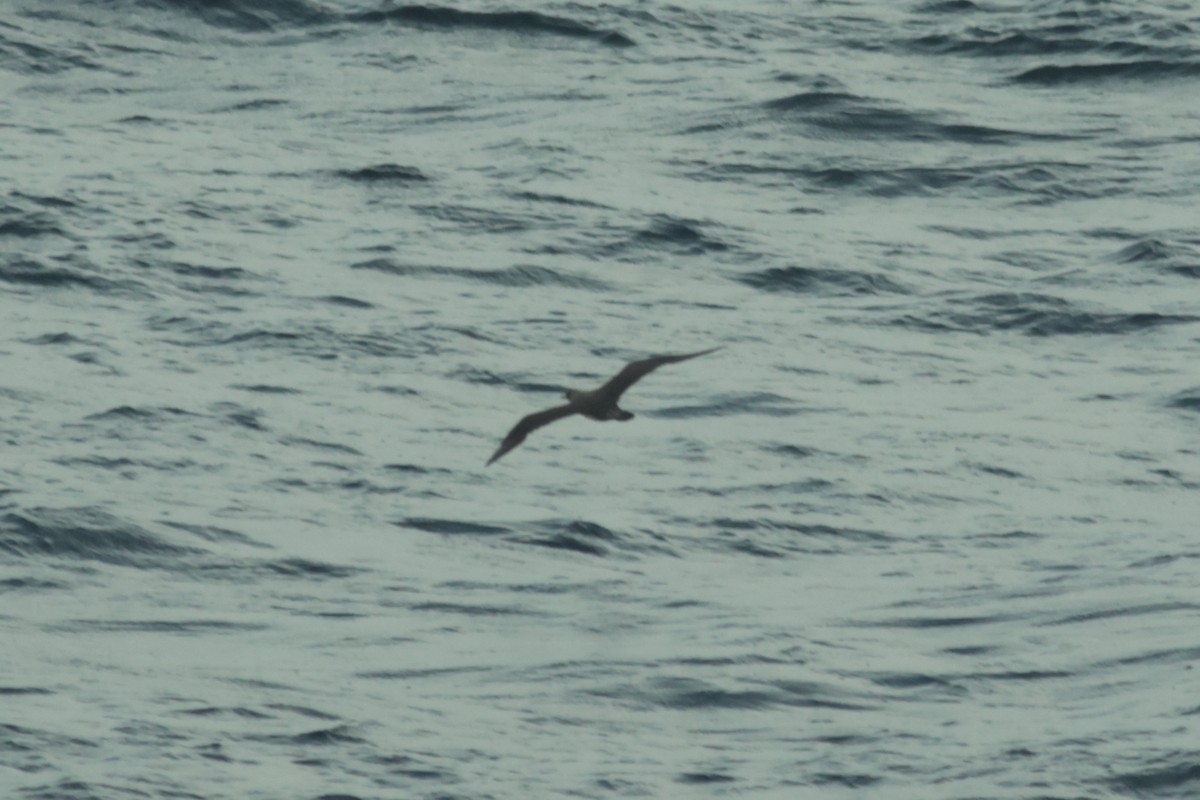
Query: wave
{"type": "Point", "coordinates": [307, 340]}
{"type": "Point", "coordinates": [676, 235]}
{"type": "Point", "coordinates": [946, 7]}
{"type": "Point", "coordinates": [1035, 315]}
{"type": "Point", "coordinates": [384, 173]}
{"type": "Point", "coordinates": [821, 282]}
{"type": "Point", "coordinates": [1174, 775]}
{"type": "Point", "coordinates": [247, 16]}
{"type": "Point", "coordinates": [270, 16]}
{"type": "Point", "coordinates": [72, 272]}
{"type": "Point", "coordinates": [692, 694]}
{"type": "Point", "coordinates": [27, 58]}
{"type": "Point", "coordinates": [1028, 182]}
{"type": "Point", "coordinates": [987, 44]}
{"type": "Point", "coordinates": [780, 540]}
{"type": "Point", "coordinates": [847, 115]}
{"type": "Point", "coordinates": [557, 199]}
{"type": "Point", "coordinates": [756, 403]}
{"type": "Point", "coordinates": [85, 534]}
{"type": "Point", "coordinates": [28, 225]}
{"type": "Point", "coordinates": [576, 536]}
{"type": "Point", "coordinates": [1187, 400]}
{"type": "Point", "coordinates": [90, 534]}
{"type": "Point", "coordinates": [140, 415]}
{"type": "Point", "coordinates": [454, 527]}
{"type": "Point", "coordinates": [664, 234]}
{"type": "Point", "coordinates": [520, 22]}
{"type": "Point", "coordinates": [1111, 72]}
{"type": "Point", "coordinates": [518, 276]}
{"type": "Point", "coordinates": [1171, 257]}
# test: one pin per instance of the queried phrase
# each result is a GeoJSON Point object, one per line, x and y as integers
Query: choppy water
{"type": "Point", "coordinates": [276, 278]}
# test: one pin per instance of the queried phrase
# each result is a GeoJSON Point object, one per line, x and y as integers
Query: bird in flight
{"type": "Point", "coordinates": [598, 404]}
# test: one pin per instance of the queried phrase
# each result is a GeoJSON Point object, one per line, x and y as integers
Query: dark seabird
{"type": "Point", "coordinates": [598, 404]}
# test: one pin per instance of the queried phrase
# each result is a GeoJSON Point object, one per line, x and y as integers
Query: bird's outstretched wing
{"type": "Point", "coordinates": [634, 371]}
{"type": "Point", "coordinates": [528, 425]}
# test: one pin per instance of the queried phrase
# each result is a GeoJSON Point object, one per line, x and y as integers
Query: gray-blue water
{"type": "Point", "coordinates": [276, 278]}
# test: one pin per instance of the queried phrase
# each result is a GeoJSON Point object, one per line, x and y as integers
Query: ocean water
{"type": "Point", "coordinates": [277, 277]}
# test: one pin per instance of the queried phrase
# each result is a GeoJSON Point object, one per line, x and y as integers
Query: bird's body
{"type": "Point", "coordinates": [598, 404]}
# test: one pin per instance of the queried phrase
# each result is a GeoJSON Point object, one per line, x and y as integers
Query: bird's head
{"type": "Point", "coordinates": [571, 394]}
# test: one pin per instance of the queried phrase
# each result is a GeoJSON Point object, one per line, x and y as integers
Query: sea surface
{"type": "Point", "coordinates": [277, 277]}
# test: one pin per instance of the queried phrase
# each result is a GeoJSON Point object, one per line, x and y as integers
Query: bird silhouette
{"type": "Point", "coordinates": [598, 404]}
